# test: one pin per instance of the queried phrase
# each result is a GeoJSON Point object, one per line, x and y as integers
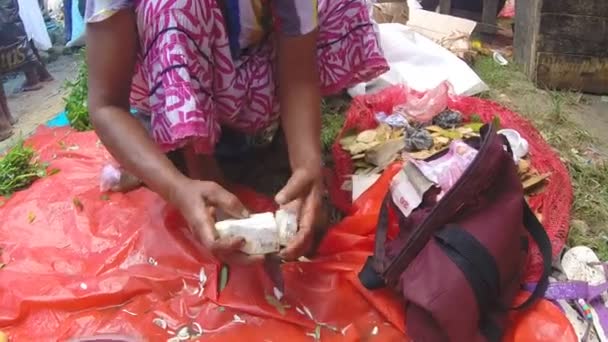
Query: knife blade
{"type": "Point", "coordinates": [272, 266]}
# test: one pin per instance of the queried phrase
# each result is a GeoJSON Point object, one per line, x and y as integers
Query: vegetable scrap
{"type": "Point", "coordinates": [277, 293]}
{"type": "Point", "coordinates": [281, 308]}
{"type": "Point", "coordinates": [152, 261]}
{"type": "Point", "coordinates": [31, 217]}
{"type": "Point", "coordinates": [316, 335]}
{"type": "Point", "coordinates": [223, 278]}
{"type": "Point", "coordinates": [237, 319]}
{"type": "Point", "coordinates": [19, 168]}
{"type": "Point", "coordinates": [77, 204]}
{"type": "Point", "coordinates": [375, 331]}
{"type": "Point", "coordinates": [373, 150]}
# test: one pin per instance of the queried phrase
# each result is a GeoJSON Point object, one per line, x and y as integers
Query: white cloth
{"type": "Point", "coordinates": [35, 28]}
{"type": "Point", "coordinates": [419, 63]}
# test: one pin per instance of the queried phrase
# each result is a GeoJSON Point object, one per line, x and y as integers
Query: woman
{"type": "Point", "coordinates": [196, 68]}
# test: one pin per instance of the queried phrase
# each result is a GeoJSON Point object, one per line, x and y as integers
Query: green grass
{"type": "Point", "coordinates": [551, 112]}
{"type": "Point", "coordinates": [333, 113]}
{"type": "Point", "coordinates": [76, 101]}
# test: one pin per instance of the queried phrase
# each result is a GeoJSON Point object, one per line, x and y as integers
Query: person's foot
{"type": "Point", "coordinates": [44, 75]}
{"type": "Point", "coordinates": [30, 86]}
{"type": "Point", "coordinates": [32, 80]}
{"type": "Point", "coordinates": [6, 133]}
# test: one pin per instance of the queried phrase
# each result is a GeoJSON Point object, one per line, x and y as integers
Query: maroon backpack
{"type": "Point", "coordinates": [458, 262]}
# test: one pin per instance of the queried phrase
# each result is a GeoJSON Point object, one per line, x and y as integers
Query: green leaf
{"type": "Point", "coordinates": [318, 333]}
{"type": "Point", "coordinates": [105, 197]}
{"type": "Point", "coordinates": [223, 278]}
{"type": "Point", "coordinates": [77, 204]}
{"type": "Point", "coordinates": [53, 172]}
{"type": "Point", "coordinates": [475, 118]}
{"type": "Point", "coordinates": [272, 300]}
{"type": "Point", "coordinates": [496, 123]}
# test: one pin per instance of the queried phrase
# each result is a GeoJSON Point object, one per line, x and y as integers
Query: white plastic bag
{"type": "Point", "coordinates": [419, 63]}
{"type": "Point", "coordinates": [34, 25]}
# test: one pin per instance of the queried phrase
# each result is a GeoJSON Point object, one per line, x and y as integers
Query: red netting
{"type": "Point", "coordinates": [553, 203]}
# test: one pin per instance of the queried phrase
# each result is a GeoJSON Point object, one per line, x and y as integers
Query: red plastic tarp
{"type": "Point", "coordinates": [78, 264]}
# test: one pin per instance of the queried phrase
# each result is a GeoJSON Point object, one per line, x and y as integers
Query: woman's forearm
{"type": "Point", "coordinates": [128, 142]}
{"type": "Point", "coordinates": [300, 98]}
{"type": "Point", "coordinates": [111, 53]}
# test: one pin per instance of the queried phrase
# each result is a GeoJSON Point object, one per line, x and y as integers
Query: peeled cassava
{"type": "Point", "coordinates": [263, 233]}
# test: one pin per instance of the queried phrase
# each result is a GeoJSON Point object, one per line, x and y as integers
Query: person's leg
{"type": "Point", "coordinates": [6, 129]}
{"type": "Point", "coordinates": [32, 80]}
{"type": "Point", "coordinates": [43, 74]}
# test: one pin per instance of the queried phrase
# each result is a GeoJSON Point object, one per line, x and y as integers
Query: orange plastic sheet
{"type": "Point", "coordinates": [81, 263]}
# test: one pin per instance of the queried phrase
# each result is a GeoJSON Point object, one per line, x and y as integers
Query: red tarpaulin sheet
{"type": "Point", "coordinates": [78, 264]}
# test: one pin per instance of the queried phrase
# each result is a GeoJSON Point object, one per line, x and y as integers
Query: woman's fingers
{"type": "Point", "coordinates": [219, 197]}
{"type": "Point", "coordinates": [298, 184]}
{"type": "Point", "coordinates": [304, 239]}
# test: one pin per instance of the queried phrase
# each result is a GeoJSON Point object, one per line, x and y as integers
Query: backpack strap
{"type": "Point", "coordinates": [370, 274]}
{"type": "Point", "coordinates": [539, 235]}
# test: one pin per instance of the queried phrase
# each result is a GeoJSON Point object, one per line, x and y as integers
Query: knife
{"type": "Point", "coordinates": [272, 266]}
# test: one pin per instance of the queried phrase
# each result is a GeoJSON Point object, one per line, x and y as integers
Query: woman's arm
{"type": "Point", "coordinates": [300, 100]}
{"type": "Point", "coordinates": [111, 52]}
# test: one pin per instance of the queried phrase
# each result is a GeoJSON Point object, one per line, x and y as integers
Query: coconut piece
{"type": "Point", "coordinates": [260, 232]}
{"type": "Point", "coordinates": [287, 224]}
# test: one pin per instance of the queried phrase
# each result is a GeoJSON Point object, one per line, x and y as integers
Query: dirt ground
{"type": "Point", "coordinates": [37, 107]}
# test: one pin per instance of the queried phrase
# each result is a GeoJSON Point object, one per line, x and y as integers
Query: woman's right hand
{"type": "Point", "coordinates": [197, 201]}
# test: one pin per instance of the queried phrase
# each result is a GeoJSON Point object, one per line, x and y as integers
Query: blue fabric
{"type": "Point", "coordinates": [232, 17]}
{"type": "Point", "coordinates": [61, 120]}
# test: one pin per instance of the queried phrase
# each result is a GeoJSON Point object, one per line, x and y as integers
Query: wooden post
{"type": "Point", "coordinates": [563, 44]}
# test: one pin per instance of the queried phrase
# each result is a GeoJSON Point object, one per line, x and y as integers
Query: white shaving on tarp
{"type": "Point", "coordinates": [277, 293]}
{"type": "Point", "coordinates": [237, 319]}
{"type": "Point", "coordinates": [202, 277]}
{"type": "Point", "coordinates": [129, 312]}
{"type": "Point", "coordinates": [161, 323]}
{"type": "Point", "coordinates": [375, 331]}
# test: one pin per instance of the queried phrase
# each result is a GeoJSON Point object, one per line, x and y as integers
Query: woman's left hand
{"type": "Point", "coordinates": [304, 194]}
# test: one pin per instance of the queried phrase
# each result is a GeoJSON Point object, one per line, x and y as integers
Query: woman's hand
{"type": "Point", "coordinates": [197, 201]}
{"type": "Point", "coordinates": [303, 193]}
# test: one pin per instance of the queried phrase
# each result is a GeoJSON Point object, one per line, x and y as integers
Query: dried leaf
{"type": "Point", "coordinates": [276, 303]}
{"type": "Point", "coordinates": [53, 172]}
{"type": "Point", "coordinates": [523, 166]}
{"type": "Point", "coordinates": [347, 141]}
{"type": "Point", "coordinates": [2, 265]}
{"type": "Point", "coordinates": [535, 181]}
{"type": "Point", "coordinates": [31, 217]}
{"type": "Point", "coordinates": [421, 155]}
{"type": "Point", "coordinates": [223, 278]}
{"type": "Point", "coordinates": [385, 153]}
{"type": "Point", "coordinates": [358, 148]}
{"type": "Point", "coordinates": [77, 204]}
{"type": "Point", "coordinates": [367, 136]}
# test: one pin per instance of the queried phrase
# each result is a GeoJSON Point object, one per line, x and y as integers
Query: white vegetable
{"type": "Point", "coordinates": [260, 232]}
{"type": "Point", "coordinates": [287, 222]}
{"type": "Point", "coordinates": [263, 233]}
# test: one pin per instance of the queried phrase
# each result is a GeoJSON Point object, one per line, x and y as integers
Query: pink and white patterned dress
{"type": "Point", "coordinates": [207, 64]}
